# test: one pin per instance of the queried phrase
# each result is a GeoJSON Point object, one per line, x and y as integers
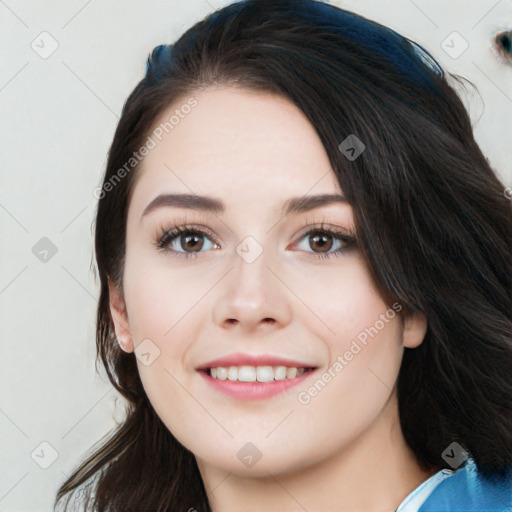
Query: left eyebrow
{"type": "Point", "coordinates": [293, 205]}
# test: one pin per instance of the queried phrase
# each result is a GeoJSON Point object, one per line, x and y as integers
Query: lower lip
{"type": "Point", "coordinates": [254, 390]}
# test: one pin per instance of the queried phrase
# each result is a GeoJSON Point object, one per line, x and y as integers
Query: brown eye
{"type": "Point", "coordinates": [320, 242]}
{"type": "Point", "coordinates": [192, 243]}
{"type": "Point", "coordinates": [324, 243]}
{"type": "Point", "coordinates": [183, 241]}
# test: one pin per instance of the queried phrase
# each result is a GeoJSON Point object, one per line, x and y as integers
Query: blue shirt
{"type": "Point", "coordinates": [464, 490]}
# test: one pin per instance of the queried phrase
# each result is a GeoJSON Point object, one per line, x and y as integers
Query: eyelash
{"type": "Point", "coordinates": [168, 235]}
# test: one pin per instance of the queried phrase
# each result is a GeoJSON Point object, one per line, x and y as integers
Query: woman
{"type": "Point", "coordinates": [262, 372]}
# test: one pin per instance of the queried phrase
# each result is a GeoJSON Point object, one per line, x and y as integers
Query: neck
{"type": "Point", "coordinates": [375, 473]}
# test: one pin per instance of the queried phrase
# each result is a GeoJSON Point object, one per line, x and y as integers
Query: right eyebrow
{"type": "Point", "coordinates": [190, 201]}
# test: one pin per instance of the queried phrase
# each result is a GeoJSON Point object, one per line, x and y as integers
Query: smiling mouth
{"type": "Point", "coordinates": [256, 373]}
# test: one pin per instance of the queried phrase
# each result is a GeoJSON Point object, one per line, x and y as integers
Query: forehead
{"type": "Point", "coordinates": [239, 144]}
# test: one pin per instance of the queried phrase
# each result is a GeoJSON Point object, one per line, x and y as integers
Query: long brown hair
{"type": "Point", "coordinates": [432, 218]}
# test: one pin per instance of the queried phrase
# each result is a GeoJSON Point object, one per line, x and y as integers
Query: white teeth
{"type": "Point", "coordinates": [222, 373]}
{"type": "Point", "coordinates": [264, 374]}
{"type": "Point", "coordinates": [279, 373]}
{"type": "Point", "coordinates": [255, 373]}
{"type": "Point", "coordinates": [246, 373]}
{"type": "Point", "coordinates": [291, 373]}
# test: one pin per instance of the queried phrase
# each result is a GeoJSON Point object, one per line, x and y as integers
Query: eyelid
{"type": "Point", "coordinates": [323, 223]}
{"type": "Point", "coordinates": [184, 223]}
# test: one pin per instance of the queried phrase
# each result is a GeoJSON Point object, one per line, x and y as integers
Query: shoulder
{"type": "Point", "coordinates": [466, 490]}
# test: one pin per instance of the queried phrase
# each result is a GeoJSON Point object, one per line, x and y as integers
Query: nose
{"type": "Point", "coordinates": [252, 297]}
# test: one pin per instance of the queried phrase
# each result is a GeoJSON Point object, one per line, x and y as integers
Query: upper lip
{"type": "Point", "coordinates": [240, 359]}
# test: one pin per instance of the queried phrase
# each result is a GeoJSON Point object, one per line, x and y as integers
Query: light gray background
{"type": "Point", "coordinates": [58, 116]}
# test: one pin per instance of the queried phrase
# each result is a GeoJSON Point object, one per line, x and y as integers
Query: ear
{"type": "Point", "coordinates": [415, 328]}
{"type": "Point", "coordinates": [120, 318]}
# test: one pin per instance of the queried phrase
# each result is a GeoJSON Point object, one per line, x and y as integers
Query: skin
{"type": "Point", "coordinates": [342, 451]}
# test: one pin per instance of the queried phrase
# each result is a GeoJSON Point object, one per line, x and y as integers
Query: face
{"type": "Point", "coordinates": [256, 282]}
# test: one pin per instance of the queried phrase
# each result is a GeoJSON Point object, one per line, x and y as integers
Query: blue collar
{"type": "Point", "coordinates": [468, 491]}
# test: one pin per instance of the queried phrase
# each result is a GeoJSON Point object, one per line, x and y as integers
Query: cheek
{"type": "Point", "coordinates": [348, 304]}
{"type": "Point", "coordinates": [365, 354]}
{"type": "Point", "coordinates": [167, 307]}
{"type": "Point", "coordinates": [161, 296]}
{"type": "Point", "coordinates": [361, 333]}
